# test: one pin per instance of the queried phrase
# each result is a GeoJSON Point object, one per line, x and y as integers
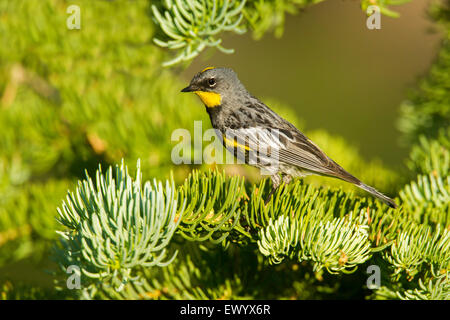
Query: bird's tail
{"type": "Point", "coordinates": [391, 203]}
{"type": "Point", "coordinates": [344, 175]}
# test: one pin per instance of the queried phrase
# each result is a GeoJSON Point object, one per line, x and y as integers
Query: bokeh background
{"type": "Point", "coordinates": [337, 74]}
{"type": "Point", "coordinates": [73, 99]}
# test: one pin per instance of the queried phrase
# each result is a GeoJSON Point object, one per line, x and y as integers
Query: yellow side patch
{"type": "Point", "coordinates": [207, 68]}
{"type": "Point", "coordinates": [210, 99]}
{"type": "Point", "coordinates": [234, 143]}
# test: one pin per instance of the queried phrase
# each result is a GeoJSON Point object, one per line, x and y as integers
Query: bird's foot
{"type": "Point", "coordinates": [276, 183]}
{"type": "Point", "coordinates": [269, 196]}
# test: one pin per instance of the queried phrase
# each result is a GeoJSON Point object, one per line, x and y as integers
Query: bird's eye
{"type": "Point", "coordinates": [212, 82]}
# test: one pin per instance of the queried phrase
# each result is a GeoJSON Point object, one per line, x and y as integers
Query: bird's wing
{"type": "Point", "coordinates": [288, 146]}
{"type": "Point", "coordinates": [253, 139]}
{"type": "Point", "coordinates": [302, 152]}
{"type": "Point", "coordinates": [266, 130]}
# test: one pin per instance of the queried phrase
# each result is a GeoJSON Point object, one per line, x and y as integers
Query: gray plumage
{"type": "Point", "coordinates": [253, 124]}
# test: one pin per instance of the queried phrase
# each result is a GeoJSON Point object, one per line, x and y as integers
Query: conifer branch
{"type": "Point", "coordinates": [190, 26]}
{"type": "Point", "coordinates": [118, 225]}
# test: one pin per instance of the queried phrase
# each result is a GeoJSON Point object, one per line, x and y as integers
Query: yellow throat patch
{"type": "Point", "coordinates": [210, 99]}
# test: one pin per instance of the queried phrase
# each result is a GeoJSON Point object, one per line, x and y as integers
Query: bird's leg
{"type": "Point", "coordinates": [276, 181]}
{"type": "Point", "coordinates": [287, 179]}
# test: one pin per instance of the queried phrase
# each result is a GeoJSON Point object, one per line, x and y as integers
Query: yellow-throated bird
{"type": "Point", "coordinates": [260, 137]}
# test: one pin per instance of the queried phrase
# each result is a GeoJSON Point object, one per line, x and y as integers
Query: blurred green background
{"type": "Point", "coordinates": [71, 99]}
{"type": "Point", "coordinates": [337, 74]}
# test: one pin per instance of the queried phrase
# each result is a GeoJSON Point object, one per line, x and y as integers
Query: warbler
{"type": "Point", "coordinates": [260, 137]}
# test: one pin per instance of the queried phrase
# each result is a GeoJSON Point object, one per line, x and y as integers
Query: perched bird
{"type": "Point", "coordinates": [260, 137]}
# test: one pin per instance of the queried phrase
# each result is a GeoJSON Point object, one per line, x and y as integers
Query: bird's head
{"type": "Point", "coordinates": [216, 86]}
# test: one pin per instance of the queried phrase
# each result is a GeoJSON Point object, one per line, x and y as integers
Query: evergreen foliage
{"type": "Point", "coordinates": [190, 26]}
{"type": "Point", "coordinates": [431, 155]}
{"type": "Point", "coordinates": [331, 229]}
{"type": "Point", "coordinates": [427, 110]}
{"type": "Point", "coordinates": [70, 100]}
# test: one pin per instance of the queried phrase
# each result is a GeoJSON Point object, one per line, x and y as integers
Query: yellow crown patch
{"type": "Point", "coordinates": [208, 68]}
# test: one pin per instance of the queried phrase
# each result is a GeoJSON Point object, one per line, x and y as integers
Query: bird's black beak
{"type": "Point", "coordinates": [188, 89]}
